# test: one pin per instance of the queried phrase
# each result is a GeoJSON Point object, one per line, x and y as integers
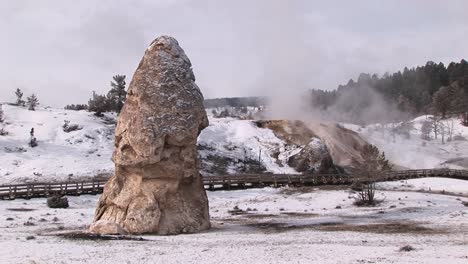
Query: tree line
{"type": "Point", "coordinates": [100, 103]}
{"type": "Point", "coordinates": [430, 89]}
{"type": "Point", "coordinates": [31, 101]}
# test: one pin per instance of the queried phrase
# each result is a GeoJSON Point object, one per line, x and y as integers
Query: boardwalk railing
{"type": "Point", "coordinates": [34, 190]}
{"type": "Point", "coordinates": [226, 182]}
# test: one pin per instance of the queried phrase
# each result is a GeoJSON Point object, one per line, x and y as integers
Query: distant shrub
{"type": "Point", "coordinates": [407, 248]}
{"type": "Point", "coordinates": [3, 132]}
{"type": "Point", "coordinates": [57, 201]}
{"type": "Point", "coordinates": [459, 138]}
{"type": "Point", "coordinates": [76, 107]}
{"type": "Point", "coordinates": [99, 104]}
{"type": "Point", "coordinates": [67, 127]}
{"type": "Point", "coordinates": [17, 149]}
{"type": "Point", "coordinates": [223, 114]}
{"type": "Point", "coordinates": [32, 140]}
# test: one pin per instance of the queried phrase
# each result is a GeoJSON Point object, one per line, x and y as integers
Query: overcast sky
{"type": "Point", "coordinates": [62, 50]}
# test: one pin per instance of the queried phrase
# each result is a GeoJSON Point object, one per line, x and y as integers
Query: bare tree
{"type": "Point", "coordinates": [404, 129]}
{"type": "Point", "coordinates": [450, 127]}
{"type": "Point", "coordinates": [435, 125]}
{"type": "Point", "coordinates": [371, 170]}
{"type": "Point", "coordinates": [426, 129]}
{"type": "Point", "coordinates": [442, 131]}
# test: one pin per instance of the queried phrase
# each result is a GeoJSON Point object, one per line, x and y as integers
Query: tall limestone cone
{"type": "Point", "coordinates": [157, 187]}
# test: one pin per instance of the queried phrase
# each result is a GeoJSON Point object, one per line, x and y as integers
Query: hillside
{"type": "Point", "coordinates": [407, 148]}
{"type": "Point", "coordinates": [227, 146]}
{"type": "Point", "coordinates": [59, 155]}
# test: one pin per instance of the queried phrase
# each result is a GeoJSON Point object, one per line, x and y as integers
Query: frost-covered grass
{"type": "Point", "coordinates": [281, 226]}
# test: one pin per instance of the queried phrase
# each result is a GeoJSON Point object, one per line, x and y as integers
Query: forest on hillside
{"type": "Point", "coordinates": [430, 89]}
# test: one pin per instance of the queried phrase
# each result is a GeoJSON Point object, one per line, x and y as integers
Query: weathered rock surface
{"type": "Point", "coordinates": [157, 187]}
{"type": "Point", "coordinates": [311, 158]}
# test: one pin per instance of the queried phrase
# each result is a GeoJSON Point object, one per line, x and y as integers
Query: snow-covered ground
{"type": "Point", "coordinates": [443, 185]}
{"type": "Point", "coordinates": [308, 225]}
{"type": "Point", "coordinates": [86, 153]}
{"type": "Point", "coordinates": [416, 153]}
{"type": "Point", "coordinates": [59, 155]}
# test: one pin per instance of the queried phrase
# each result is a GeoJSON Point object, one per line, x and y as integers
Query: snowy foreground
{"type": "Point", "coordinates": [305, 225]}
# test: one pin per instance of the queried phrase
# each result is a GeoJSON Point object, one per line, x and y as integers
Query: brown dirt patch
{"type": "Point", "coordinates": [91, 236]}
{"type": "Point", "coordinates": [20, 209]}
{"type": "Point", "coordinates": [383, 228]}
{"type": "Point", "coordinates": [309, 189]}
{"type": "Point", "coordinates": [300, 214]}
{"type": "Point", "coordinates": [379, 228]}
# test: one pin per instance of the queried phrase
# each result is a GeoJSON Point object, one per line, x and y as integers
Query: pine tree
{"type": "Point", "coordinates": [374, 164]}
{"type": "Point", "coordinates": [98, 104]}
{"type": "Point", "coordinates": [33, 102]}
{"type": "Point", "coordinates": [442, 100]}
{"type": "Point", "coordinates": [19, 97]}
{"type": "Point", "coordinates": [117, 94]}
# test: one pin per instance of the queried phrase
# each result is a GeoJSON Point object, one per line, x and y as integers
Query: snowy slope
{"type": "Point", "coordinates": [239, 140]}
{"type": "Point", "coordinates": [414, 152]}
{"type": "Point", "coordinates": [59, 155]}
{"type": "Point", "coordinates": [87, 152]}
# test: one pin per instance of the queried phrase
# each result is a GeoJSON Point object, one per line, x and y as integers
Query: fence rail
{"type": "Point", "coordinates": [226, 182]}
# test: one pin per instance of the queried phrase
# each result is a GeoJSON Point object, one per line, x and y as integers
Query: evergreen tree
{"type": "Point", "coordinates": [414, 90]}
{"type": "Point", "coordinates": [374, 164]}
{"type": "Point", "coordinates": [98, 104]}
{"type": "Point", "coordinates": [2, 115]}
{"type": "Point", "coordinates": [33, 102]}
{"type": "Point", "coordinates": [442, 100]}
{"type": "Point", "coordinates": [19, 97]}
{"type": "Point", "coordinates": [117, 94]}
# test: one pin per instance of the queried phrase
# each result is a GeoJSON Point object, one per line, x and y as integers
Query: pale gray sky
{"type": "Point", "coordinates": [62, 50]}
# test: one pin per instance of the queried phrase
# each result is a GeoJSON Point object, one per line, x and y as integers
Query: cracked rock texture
{"type": "Point", "coordinates": [157, 187]}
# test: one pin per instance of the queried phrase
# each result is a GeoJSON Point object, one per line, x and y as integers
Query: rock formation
{"type": "Point", "coordinates": [343, 146]}
{"type": "Point", "coordinates": [157, 187]}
